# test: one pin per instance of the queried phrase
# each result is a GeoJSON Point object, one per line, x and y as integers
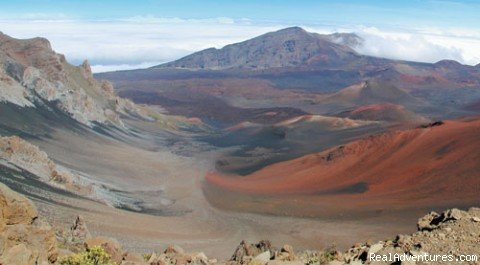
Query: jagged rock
{"type": "Point", "coordinates": [12, 91]}
{"type": "Point", "coordinates": [261, 258]}
{"type": "Point", "coordinates": [375, 248]}
{"type": "Point", "coordinates": [18, 255]}
{"type": "Point", "coordinates": [474, 211]}
{"type": "Point", "coordinates": [79, 229]}
{"type": "Point", "coordinates": [87, 69]}
{"type": "Point", "coordinates": [107, 88]}
{"type": "Point", "coordinates": [174, 249]}
{"type": "Point", "coordinates": [24, 238]}
{"type": "Point", "coordinates": [288, 249]}
{"type": "Point", "coordinates": [152, 259]}
{"type": "Point", "coordinates": [241, 251]}
{"type": "Point", "coordinates": [432, 220]}
{"type": "Point", "coordinates": [133, 259]}
{"type": "Point", "coordinates": [78, 233]}
{"type": "Point", "coordinates": [264, 245]}
{"type": "Point", "coordinates": [32, 73]}
{"type": "Point", "coordinates": [286, 254]}
{"type": "Point", "coordinates": [26, 156]}
{"type": "Point", "coordinates": [158, 260]}
{"type": "Point", "coordinates": [176, 255]}
{"type": "Point", "coordinates": [455, 214]}
{"type": "Point", "coordinates": [200, 257]}
{"type": "Point", "coordinates": [429, 221]}
{"type": "Point", "coordinates": [110, 245]}
{"type": "Point", "coordinates": [250, 250]}
{"type": "Point", "coordinates": [14, 208]}
{"type": "Point", "coordinates": [453, 231]}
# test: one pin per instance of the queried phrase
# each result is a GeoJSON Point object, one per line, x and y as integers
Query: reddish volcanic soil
{"type": "Point", "coordinates": [385, 112]}
{"type": "Point", "coordinates": [426, 167]}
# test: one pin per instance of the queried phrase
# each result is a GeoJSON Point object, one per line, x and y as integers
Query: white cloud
{"type": "Point", "coordinates": [144, 41]}
{"type": "Point", "coordinates": [176, 20]}
{"type": "Point", "coordinates": [418, 44]}
{"type": "Point", "coordinates": [408, 46]}
{"type": "Point", "coordinates": [135, 40]}
{"type": "Point", "coordinates": [43, 16]}
{"type": "Point", "coordinates": [100, 68]}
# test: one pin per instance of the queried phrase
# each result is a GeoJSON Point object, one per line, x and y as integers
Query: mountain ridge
{"type": "Point", "coordinates": [287, 47]}
{"type": "Point", "coordinates": [32, 75]}
{"type": "Point", "coordinates": [222, 58]}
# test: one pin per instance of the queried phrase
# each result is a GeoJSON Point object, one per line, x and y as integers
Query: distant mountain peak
{"type": "Point", "coordinates": [294, 29]}
{"type": "Point", "coordinates": [289, 47]}
{"type": "Point", "coordinates": [448, 63]}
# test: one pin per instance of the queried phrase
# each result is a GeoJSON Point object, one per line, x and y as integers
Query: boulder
{"type": "Point", "coordinates": [158, 260]}
{"type": "Point", "coordinates": [429, 221]}
{"type": "Point", "coordinates": [375, 248]}
{"type": "Point", "coordinates": [110, 245]}
{"type": "Point", "coordinates": [133, 259]}
{"type": "Point", "coordinates": [15, 208]}
{"type": "Point", "coordinates": [455, 214]}
{"type": "Point", "coordinates": [251, 250]}
{"type": "Point", "coordinates": [286, 254]}
{"type": "Point", "coordinates": [18, 255]}
{"type": "Point", "coordinates": [474, 211]}
{"type": "Point", "coordinates": [174, 249]}
{"type": "Point", "coordinates": [261, 258]}
{"type": "Point", "coordinates": [24, 238]}
{"type": "Point", "coordinates": [79, 231]}
{"type": "Point", "coordinates": [243, 249]}
{"type": "Point", "coordinates": [288, 249]}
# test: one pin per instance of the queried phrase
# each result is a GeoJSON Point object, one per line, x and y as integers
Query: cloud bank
{"type": "Point", "coordinates": [144, 41]}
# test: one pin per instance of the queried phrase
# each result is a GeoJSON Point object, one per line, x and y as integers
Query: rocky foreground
{"type": "Point", "coordinates": [26, 239]}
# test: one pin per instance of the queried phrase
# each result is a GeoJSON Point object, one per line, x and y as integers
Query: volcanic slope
{"type": "Point", "coordinates": [284, 48]}
{"type": "Point", "coordinates": [433, 166]}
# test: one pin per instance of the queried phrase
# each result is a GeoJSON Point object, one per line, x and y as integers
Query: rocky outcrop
{"type": "Point", "coordinates": [32, 74]}
{"type": "Point", "coordinates": [20, 154]}
{"type": "Point", "coordinates": [79, 231]}
{"type": "Point", "coordinates": [74, 238]}
{"type": "Point", "coordinates": [453, 232]}
{"type": "Point", "coordinates": [24, 238]}
{"type": "Point", "coordinates": [247, 252]}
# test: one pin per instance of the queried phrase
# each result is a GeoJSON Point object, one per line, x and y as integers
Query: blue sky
{"type": "Point", "coordinates": [139, 33]}
{"type": "Point", "coordinates": [406, 12]}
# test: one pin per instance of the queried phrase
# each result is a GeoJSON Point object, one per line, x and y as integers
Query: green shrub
{"type": "Point", "coordinates": [147, 257]}
{"type": "Point", "coordinates": [93, 256]}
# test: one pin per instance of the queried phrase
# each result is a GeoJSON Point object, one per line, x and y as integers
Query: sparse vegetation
{"type": "Point", "coordinates": [147, 257]}
{"type": "Point", "coordinates": [93, 256]}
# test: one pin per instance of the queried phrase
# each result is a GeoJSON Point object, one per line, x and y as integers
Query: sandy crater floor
{"type": "Point", "coordinates": [192, 222]}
